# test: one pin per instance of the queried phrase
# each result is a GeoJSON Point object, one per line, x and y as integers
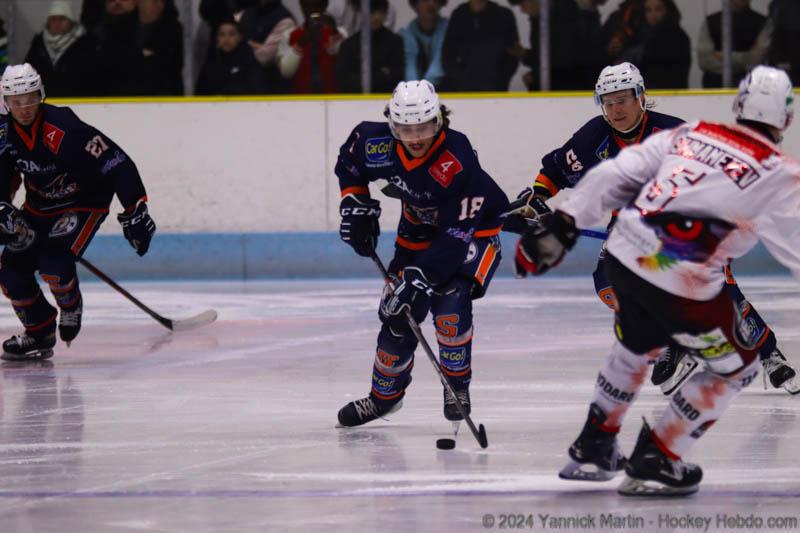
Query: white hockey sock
{"type": "Point", "coordinates": [697, 405]}
{"type": "Point", "coordinates": [618, 383]}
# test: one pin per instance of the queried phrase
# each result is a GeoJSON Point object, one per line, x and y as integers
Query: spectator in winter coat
{"type": "Point", "coordinates": [422, 41]}
{"type": "Point", "coordinates": [747, 25]}
{"type": "Point", "coordinates": [664, 51]}
{"type": "Point", "coordinates": [63, 53]}
{"type": "Point", "coordinates": [263, 25]}
{"type": "Point", "coordinates": [478, 47]}
{"type": "Point", "coordinates": [231, 69]}
{"type": "Point", "coordinates": [388, 60]}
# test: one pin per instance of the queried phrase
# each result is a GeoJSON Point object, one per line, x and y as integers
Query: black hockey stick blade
{"type": "Point", "coordinates": [202, 319]}
{"type": "Point", "coordinates": [483, 440]}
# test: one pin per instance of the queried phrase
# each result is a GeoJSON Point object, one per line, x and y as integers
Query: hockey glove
{"type": "Point", "coordinates": [544, 246]}
{"type": "Point", "coordinates": [10, 219]}
{"type": "Point", "coordinates": [138, 227]}
{"type": "Point", "coordinates": [413, 292]}
{"type": "Point", "coordinates": [359, 227]}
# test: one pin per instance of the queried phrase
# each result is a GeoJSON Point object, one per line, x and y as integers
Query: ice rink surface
{"type": "Point", "coordinates": [231, 427]}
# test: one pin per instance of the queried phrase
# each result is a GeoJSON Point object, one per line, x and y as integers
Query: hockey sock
{"type": "Point", "coordinates": [697, 405]}
{"type": "Point", "coordinates": [618, 384]}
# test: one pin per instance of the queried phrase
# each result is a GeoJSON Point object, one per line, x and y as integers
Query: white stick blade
{"type": "Point", "coordinates": [203, 319]}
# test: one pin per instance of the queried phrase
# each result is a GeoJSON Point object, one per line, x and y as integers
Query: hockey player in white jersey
{"type": "Point", "coordinates": [690, 199]}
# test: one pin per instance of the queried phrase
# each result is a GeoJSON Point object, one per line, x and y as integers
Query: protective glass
{"type": "Point", "coordinates": [608, 100]}
{"type": "Point", "coordinates": [415, 132]}
{"type": "Point", "coordinates": [21, 101]}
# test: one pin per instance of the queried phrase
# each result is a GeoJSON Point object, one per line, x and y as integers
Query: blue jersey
{"type": "Point", "coordinates": [594, 142]}
{"type": "Point", "coordinates": [448, 199]}
{"type": "Point", "coordinates": [66, 165]}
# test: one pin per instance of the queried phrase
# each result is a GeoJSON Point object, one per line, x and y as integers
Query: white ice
{"type": "Point", "coordinates": [231, 427]}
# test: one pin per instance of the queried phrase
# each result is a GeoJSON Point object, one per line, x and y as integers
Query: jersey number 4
{"type": "Point", "coordinates": [470, 207]}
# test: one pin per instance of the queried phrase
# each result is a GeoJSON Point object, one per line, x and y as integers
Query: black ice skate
{"type": "Point", "coordinates": [69, 323]}
{"type": "Point", "coordinates": [651, 473]}
{"type": "Point", "coordinates": [780, 374]}
{"type": "Point", "coordinates": [27, 347]}
{"type": "Point", "coordinates": [366, 410]}
{"type": "Point", "coordinates": [594, 455]}
{"type": "Point", "coordinates": [450, 410]}
{"type": "Point", "coordinates": [672, 368]}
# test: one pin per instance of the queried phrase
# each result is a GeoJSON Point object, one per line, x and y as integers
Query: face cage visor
{"type": "Point", "coordinates": [415, 132]}
{"type": "Point", "coordinates": [19, 102]}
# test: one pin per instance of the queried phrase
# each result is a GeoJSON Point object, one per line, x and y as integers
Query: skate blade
{"type": "Point", "coordinates": [456, 426]}
{"type": "Point", "coordinates": [36, 355]}
{"type": "Point", "coordinates": [685, 369]}
{"type": "Point", "coordinates": [640, 487]}
{"type": "Point", "coordinates": [585, 472]}
{"type": "Point", "coordinates": [791, 387]}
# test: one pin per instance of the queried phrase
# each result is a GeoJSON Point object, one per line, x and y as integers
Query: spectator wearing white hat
{"type": "Point", "coordinates": [63, 53]}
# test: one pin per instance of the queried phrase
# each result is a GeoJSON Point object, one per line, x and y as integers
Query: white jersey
{"type": "Point", "coordinates": [732, 183]}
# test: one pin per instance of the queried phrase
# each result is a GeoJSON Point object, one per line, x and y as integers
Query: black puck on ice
{"type": "Point", "coordinates": [445, 444]}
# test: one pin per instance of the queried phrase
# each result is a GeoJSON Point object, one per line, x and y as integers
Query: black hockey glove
{"type": "Point", "coordinates": [138, 227]}
{"type": "Point", "coordinates": [413, 292]}
{"type": "Point", "coordinates": [524, 214]}
{"type": "Point", "coordinates": [544, 246]}
{"type": "Point", "coordinates": [10, 219]}
{"type": "Point", "coordinates": [359, 227]}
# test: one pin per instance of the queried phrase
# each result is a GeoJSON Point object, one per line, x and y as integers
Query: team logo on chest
{"type": "Point", "coordinates": [445, 168]}
{"type": "Point", "coordinates": [52, 137]}
{"type": "Point", "coordinates": [602, 150]}
{"type": "Point", "coordinates": [378, 151]}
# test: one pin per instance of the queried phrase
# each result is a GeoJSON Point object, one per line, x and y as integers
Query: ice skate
{"type": "Point", "coordinates": [366, 410]}
{"type": "Point", "coordinates": [69, 323]}
{"type": "Point", "coordinates": [650, 472]}
{"type": "Point", "coordinates": [28, 347]}
{"type": "Point", "coordinates": [672, 368]}
{"type": "Point", "coordinates": [450, 410]}
{"type": "Point", "coordinates": [594, 455]}
{"type": "Point", "coordinates": [780, 374]}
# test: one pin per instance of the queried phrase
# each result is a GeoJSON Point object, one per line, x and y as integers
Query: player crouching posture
{"type": "Point", "coordinates": [447, 248]}
{"type": "Point", "coordinates": [71, 172]}
{"type": "Point", "coordinates": [691, 198]}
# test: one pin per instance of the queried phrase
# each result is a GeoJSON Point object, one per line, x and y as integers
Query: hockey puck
{"type": "Point", "coordinates": [445, 444]}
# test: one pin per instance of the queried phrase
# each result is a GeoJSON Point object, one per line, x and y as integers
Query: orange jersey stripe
{"type": "Point", "coordinates": [355, 190]}
{"type": "Point", "coordinates": [413, 245]}
{"type": "Point", "coordinates": [547, 183]}
{"type": "Point", "coordinates": [488, 232]}
{"type": "Point", "coordinates": [85, 234]}
{"type": "Point", "coordinates": [485, 264]}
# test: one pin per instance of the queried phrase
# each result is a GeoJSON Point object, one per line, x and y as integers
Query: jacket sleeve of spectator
{"type": "Point", "coordinates": [451, 49]}
{"type": "Point", "coordinates": [348, 70]}
{"type": "Point", "coordinates": [435, 73]}
{"type": "Point", "coordinates": [705, 51]}
{"type": "Point", "coordinates": [287, 57]}
{"type": "Point", "coordinates": [265, 54]}
{"type": "Point", "coordinates": [397, 61]}
{"type": "Point", "coordinates": [510, 63]}
{"type": "Point", "coordinates": [411, 49]}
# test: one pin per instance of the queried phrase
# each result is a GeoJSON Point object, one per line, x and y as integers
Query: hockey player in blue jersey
{"type": "Point", "coordinates": [447, 246]}
{"type": "Point", "coordinates": [71, 171]}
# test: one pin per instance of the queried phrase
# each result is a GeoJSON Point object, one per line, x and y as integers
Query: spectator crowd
{"type": "Point", "coordinates": [135, 47]}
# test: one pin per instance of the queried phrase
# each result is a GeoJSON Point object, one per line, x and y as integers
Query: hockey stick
{"type": "Point", "coordinates": [480, 431]}
{"type": "Point", "coordinates": [202, 319]}
{"type": "Point", "coordinates": [519, 227]}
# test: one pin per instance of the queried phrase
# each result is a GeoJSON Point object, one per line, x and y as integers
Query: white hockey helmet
{"type": "Point", "coordinates": [615, 78]}
{"type": "Point", "coordinates": [20, 79]}
{"type": "Point", "coordinates": [414, 112]}
{"type": "Point", "coordinates": [765, 96]}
